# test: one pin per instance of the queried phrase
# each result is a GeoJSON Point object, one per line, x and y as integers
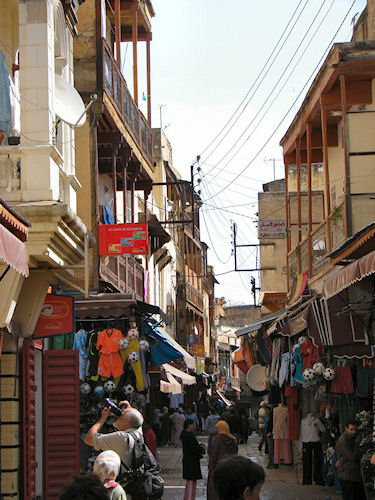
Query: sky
{"type": "Point", "coordinates": [208, 57]}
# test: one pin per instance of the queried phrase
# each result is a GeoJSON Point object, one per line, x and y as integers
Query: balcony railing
{"type": "Point", "coordinates": [115, 86]}
{"type": "Point", "coordinates": [194, 296]}
{"type": "Point", "coordinates": [319, 248]}
{"type": "Point", "coordinates": [124, 273]}
{"type": "Point", "coordinates": [189, 228]}
{"type": "Point", "coordinates": [10, 172]}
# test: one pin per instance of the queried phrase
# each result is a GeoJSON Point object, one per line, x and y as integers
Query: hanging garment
{"type": "Point", "coordinates": [312, 460]}
{"type": "Point", "coordinates": [311, 427]}
{"type": "Point", "coordinates": [365, 378]}
{"type": "Point", "coordinates": [309, 354]}
{"type": "Point", "coordinates": [80, 340]}
{"type": "Point", "coordinates": [298, 366]}
{"type": "Point", "coordinates": [291, 397]}
{"type": "Point", "coordinates": [284, 368]}
{"type": "Point", "coordinates": [281, 422]}
{"type": "Point", "coordinates": [136, 367]}
{"type": "Point", "coordinates": [93, 354]}
{"type": "Point", "coordinates": [285, 443]}
{"type": "Point", "coordinates": [5, 106]}
{"type": "Point", "coordinates": [110, 361]}
{"type": "Point", "coordinates": [343, 383]}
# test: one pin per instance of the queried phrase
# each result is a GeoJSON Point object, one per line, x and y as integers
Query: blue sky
{"type": "Point", "coordinates": [206, 54]}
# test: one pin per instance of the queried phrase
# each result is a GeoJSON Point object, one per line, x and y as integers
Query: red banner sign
{"type": "Point", "coordinates": [56, 316]}
{"type": "Point", "coordinates": [120, 239]}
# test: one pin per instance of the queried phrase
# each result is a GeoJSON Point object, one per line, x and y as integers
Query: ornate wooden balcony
{"type": "Point", "coordinates": [194, 296]}
{"type": "Point", "coordinates": [114, 85]}
{"type": "Point", "coordinates": [124, 273]}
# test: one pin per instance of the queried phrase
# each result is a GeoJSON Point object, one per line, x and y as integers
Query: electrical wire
{"type": "Point", "coordinates": [289, 110]}
{"type": "Point", "coordinates": [213, 246]}
{"type": "Point", "coordinates": [273, 90]}
{"type": "Point", "coordinates": [259, 75]}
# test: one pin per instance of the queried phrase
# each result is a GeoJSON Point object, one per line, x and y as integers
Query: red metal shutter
{"type": "Point", "coordinates": [29, 455]}
{"type": "Point", "coordinates": [61, 420]}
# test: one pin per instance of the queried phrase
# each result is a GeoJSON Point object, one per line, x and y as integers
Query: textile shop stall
{"type": "Point", "coordinates": [119, 343]}
{"type": "Point", "coordinates": [321, 376]}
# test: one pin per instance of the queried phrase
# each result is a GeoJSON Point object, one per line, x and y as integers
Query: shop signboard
{"type": "Point", "coordinates": [272, 229]}
{"type": "Point", "coordinates": [56, 317]}
{"type": "Point", "coordinates": [200, 351]}
{"type": "Point", "coordinates": [121, 239]}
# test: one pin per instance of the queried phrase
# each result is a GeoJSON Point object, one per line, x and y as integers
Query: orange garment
{"type": "Point", "coordinates": [110, 360]}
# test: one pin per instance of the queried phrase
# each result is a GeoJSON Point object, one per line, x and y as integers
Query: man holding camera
{"type": "Point", "coordinates": [120, 441]}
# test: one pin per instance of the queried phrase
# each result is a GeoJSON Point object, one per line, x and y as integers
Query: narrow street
{"type": "Point", "coordinates": [281, 483]}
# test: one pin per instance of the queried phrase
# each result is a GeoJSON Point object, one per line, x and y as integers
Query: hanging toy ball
{"type": "Point", "coordinates": [128, 389]}
{"type": "Point", "coordinates": [302, 340]}
{"type": "Point", "coordinates": [123, 344]}
{"type": "Point", "coordinates": [99, 390]}
{"type": "Point", "coordinates": [318, 368]}
{"type": "Point", "coordinates": [308, 374]}
{"type": "Point", "coordinates": [109, 386]}
{"type": "Point", "coordinates": [133, 333]}
{"type": "Point", "coordinates": [143, 345]}
{"type": "Point", "coordinates": [85, 388]}
{"type": "Point", "coordinates": [133, 357]}
{"type": "Point", "coordinates": [329, 374]}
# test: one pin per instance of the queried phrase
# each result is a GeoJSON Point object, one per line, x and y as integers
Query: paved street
{"type": "Point", "coordinates": [280, 483]}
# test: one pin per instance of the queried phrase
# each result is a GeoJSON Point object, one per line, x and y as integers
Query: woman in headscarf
{"type": "Point", "coordinates": [192, 452]}
{"type": "Point", "coordinates": [224, 445]}
{"type": "Point", "coordinates": [107, 467]}
{"type": "Point", "coordinates": [177, 418]}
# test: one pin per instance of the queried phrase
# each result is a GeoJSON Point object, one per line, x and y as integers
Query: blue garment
{"type": "Point", "coordinates": [175, 400]}
{"type": "Point", "coordinates": [211, 422]}
{"type": "Point", "coordinates": [107, 216]}
{"type": "Point", "coordinates": [80, 339]}
{"type": "Point", "coordinates": [298, 363]}
{"type": "Point", "coordinates": [284, 368]}
{"type": "Point", "coordinates": [161, 350]}
{"type": "Point", "coordinates": [193, 417]}
{"type": "Point", "coordinates": [5, 107]}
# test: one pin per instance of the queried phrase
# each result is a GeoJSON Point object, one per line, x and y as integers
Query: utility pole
{"type": "Point", "coordinates": [274, 160]}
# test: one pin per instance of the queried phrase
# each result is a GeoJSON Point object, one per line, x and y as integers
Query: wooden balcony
{"type": "Point", "coordinates": [124, 273]}
{"type": "Point", "coordinates": [114, 85]}
{"type": "Point", "coordinates": [194, 296]}
{"type": "Point", "coordinates": [189, 229]}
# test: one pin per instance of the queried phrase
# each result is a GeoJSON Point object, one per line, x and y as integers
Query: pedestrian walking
{"type": "Point", "coordinates": [88, 486]}
{"type": "Point", "coordinates": [191, 415]}
{"type": "Point", "coordinates": [211, 429]}
{"type": "Point", "coordinates": [177, 420]}
{"type": "Point", "coordinates": [244, 428]}
{"type": "Point", "coordinates": [224, 445]}
{"type": "Point", "coordinates": [262, 424]}
{"type": "Point", "coordinates": [192, 452]}
{"type": "Point", "coordinates": [107, 467]}
{"type": "Point", "coordinates": [156, 423]}
{"type": "Point", "coordinates": [348, 464]}
{"type": "Point", "coordinates": [234, 422]}
{"type": "Point", "coordinates": [238, 478]}
{"type": "Point", "coordinates": [269, 437]}
{"type": "Point", "coordinates": [150, 439]}
{"type": "Point", "coordinates": [164, 426]}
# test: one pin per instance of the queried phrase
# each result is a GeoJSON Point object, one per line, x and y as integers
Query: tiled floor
{"type": "Point", "coordinates": [282, 483]}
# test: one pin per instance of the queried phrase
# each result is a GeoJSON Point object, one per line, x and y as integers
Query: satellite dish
{"type": "Point", "coordinates": [68, 103]}
{"type": "Point", "coordinates": [256, 378]}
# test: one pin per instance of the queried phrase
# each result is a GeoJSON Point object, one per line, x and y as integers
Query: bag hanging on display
{"type": "Point", "coordinates": [141, 480]}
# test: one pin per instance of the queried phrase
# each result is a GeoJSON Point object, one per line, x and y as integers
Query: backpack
{"type": "Point", "coordinates": [141, 480]}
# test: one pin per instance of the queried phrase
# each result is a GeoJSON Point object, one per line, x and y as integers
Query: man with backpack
{"type": "Point", "coordinates": [140, 475]}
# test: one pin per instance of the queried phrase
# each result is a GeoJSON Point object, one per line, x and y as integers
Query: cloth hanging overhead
{"type": "Point", "coordinates": [5, 107]}
{"type": "Point", "coordinates": [13, 251]}
{"type": "Point", "coordinates": [185, 377]}
{"type": "Point", "coordinates": [170, 387]}
{"type": "Point", "coordinates": [162, 350]}
{"type": "Point", "coordinates": [254, 327]}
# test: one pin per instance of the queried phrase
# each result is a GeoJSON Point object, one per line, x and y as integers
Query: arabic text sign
{"type": "Point", "coordinates": [272, 229]}
{"type": "Point", "coordinates": [56, 316]}
{"type": "Point", "coordinates": [120, 239]}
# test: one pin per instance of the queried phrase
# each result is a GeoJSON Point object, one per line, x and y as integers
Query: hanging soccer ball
{"type": "Point", "coordinates": [109, 386]}
{"type": "Point", "coordinates": [329, 374]}
{"type": "Point", "coordinates": [143, 345]}
{"type": "Point", "coordinates": [123, 344]}
{"type": "Point", "coordinates": [133, 357]}
{"type": "Point", "coordinates": [128, 389]}
{"type": "Point", "coordinates": [99, 390]}
{"type": "Point", "coordinates": [318, 368]}
{"type": "Point", "coordinates": [308, 374]}
{"type": "Point", "coordinates": [85, 388]}
{"type": "Point", "coordinates": [133, 333]}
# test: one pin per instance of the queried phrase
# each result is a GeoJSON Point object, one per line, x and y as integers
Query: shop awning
{"type": "Point", "coordinates": [170, 387]}
{"type": "Point", "coordinates": [223, 398]}
{"type": "Point", "coordinates": [185, 377]}
{"type": "Point", "coordinates": [254, 327]}
{"type": "Point", "coordinates": [13, 251]}
{"type": "Point", "coordinates": [106, 305]}
{"type": "Point", "coordinates": [188, 358]}
{"type": "Point", "coordinates": [343, 278]}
